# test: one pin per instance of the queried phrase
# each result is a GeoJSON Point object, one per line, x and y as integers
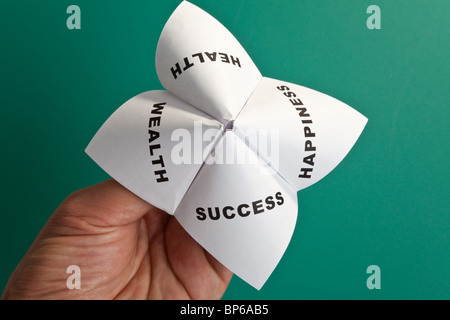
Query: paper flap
{"type": "Point", "coordinates": [309, 132]}
{"type": "Point", "coordinates": [201, 62]}
{"type": "Point", "coordinates": [139, 146]}
{"type": "Point", "coordinates": [240, 211]}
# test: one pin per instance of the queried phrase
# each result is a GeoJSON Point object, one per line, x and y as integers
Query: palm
{"type": "Point", "coordinates": [126, 249]}
{"type": "Point", "coordinates": [167, 263]}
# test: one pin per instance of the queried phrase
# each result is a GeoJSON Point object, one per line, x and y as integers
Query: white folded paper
{"type": "Point", "coordinates": [224, 149]}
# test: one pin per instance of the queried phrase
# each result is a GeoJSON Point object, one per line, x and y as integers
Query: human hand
{"type": "Point", "coordinates": [125, 249]}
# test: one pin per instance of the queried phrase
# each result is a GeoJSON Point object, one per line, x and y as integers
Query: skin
{"type": "Point", "coordinates": [125, 248]}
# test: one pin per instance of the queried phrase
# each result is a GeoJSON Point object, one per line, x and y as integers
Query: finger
{"type": "Point", "coordinates": [202, 276]}
{"type": "Point", "coordinates": [223, 272]}
{"type": "Point", "coordinates": [105, 204]}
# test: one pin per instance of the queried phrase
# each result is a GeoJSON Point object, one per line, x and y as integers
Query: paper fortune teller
{"type": "Point", "coordinates": [224, 149]}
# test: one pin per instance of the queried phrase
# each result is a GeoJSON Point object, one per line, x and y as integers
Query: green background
{"type": "Point", "coordinates": [386, 204]}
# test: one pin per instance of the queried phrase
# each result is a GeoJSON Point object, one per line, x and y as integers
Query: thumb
{"type": "Point", "coordinates": [105, 204]}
